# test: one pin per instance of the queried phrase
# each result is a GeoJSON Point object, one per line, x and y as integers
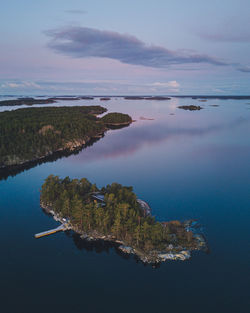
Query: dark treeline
{"type": "Point", "coordinates": [190, 107]}
{"type": "Point", "coordinates": [17, 169]}
{"type": "Point", "coordinates": [116, 118]}
{"type": "Point", "coordinates": [26, 101]}
{"type": "Point", "coordinates": [29, 134]}
{"type": "Point", "coordinates": [120, 215]}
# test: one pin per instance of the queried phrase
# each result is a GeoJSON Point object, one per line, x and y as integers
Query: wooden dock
{"type": "Point", "coordinates": [62, 227]}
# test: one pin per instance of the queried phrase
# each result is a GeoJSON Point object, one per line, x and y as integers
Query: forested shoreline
{"type": "Point", "coordinates": [33, 133]}
{"type": "Point", "coordinates": [114, 213]}
{"type": "Point", "coordinates": [26, 101]}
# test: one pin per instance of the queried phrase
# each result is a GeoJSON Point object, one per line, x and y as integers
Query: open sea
{"type": "Point", "coordinates": [186, 165]}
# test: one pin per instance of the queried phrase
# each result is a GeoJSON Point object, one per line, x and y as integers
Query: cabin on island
{"type": "Point", "coordinates": [99, 197]}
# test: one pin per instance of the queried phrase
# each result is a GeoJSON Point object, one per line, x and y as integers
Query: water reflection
{"type": "Point", "coordinates": [203, 173]}
{"type": "Point", "coordinates": [97, 246]}
{"type": "Point", "coordinates": [14, 170]}
{"type": "Point", "coordinates": [133, 139]}
{"type": "Point", "coordinates": [127, 142]}
{"type": "Point", "coordinates": [100, 246]}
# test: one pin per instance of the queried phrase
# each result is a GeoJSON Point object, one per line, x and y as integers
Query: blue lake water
{"type": "Point", "coordinates": [186, 165]}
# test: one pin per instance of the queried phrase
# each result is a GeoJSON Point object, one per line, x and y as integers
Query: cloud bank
{"type": "Point", "coordinates": [171, 84]}
{"type": "Point", "coordinates": [20, 85]}
{"type": "Point", "coordinates": [244, 69]}
{"type": "Point", "coordinates": [230, 29]}
{"type": "Point", "coordinates": [93, 87]}
{"type": "Point", "coordinates": [83, 42]}
{"type": "Point", "coordinates": [231, 36]}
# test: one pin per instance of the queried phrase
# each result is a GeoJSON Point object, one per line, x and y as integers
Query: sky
{"type": "Point", "coordinates": [117, 47]}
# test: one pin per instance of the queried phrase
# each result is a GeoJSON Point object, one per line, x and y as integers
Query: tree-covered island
{"type": "Point", "coordinates": [190, 107]}
{"type": "Point", "coordinates": [115, 214]}
{"type": "Point", "coordinates": [26, 101]}
{"type": "Point", "coordinates": [32, 101]}
{"type": "Point", "coordinates": [32, 134]}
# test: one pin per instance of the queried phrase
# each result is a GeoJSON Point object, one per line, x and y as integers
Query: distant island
{"type": "Point", "coordinates": [146, 98]}
{"type": "Point", "coordinates": [105, 99]}
{"type": "Point", "coordinates": [32, 134]}
{"type": "Point", "coordinates": [26, 101]}
{"type": "Point", "coordinates": [212, 97]}
{"type": "Point", "coordinates": [190, 107]}
{"type": "Point", "coordinates": [31, 101]}
{"type": "Point", "coordinates": [114, 213]}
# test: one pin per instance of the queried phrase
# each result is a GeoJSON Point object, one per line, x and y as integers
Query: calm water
{"type": "Point", "coordinates": [186, 165]}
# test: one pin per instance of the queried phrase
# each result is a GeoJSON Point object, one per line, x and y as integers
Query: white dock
{"type": "Point", "coordinates": [62, 227]}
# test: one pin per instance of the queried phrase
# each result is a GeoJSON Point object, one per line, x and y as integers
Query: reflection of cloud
{"type": "Point", "coordinates": [83, 42]}
{"type": "Point", "coordinates": [134, 138]}
{"type": "Point", "coordinates": [173, 104]}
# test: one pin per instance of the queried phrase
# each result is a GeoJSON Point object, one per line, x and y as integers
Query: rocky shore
{"type": "Point", "coordinates": [152, 257]}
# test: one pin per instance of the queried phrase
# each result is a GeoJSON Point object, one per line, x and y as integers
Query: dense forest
{"type": "Point", "coordinates": [32, 133]}
{"type": "Point", "coordinates": [116, 118]}
{"type": "Point", "coordinates": [26, 101]}
{"type": "Point", "coordinates": [119, 215]}
{"type": "Point", "coordinates": [190, 107]}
